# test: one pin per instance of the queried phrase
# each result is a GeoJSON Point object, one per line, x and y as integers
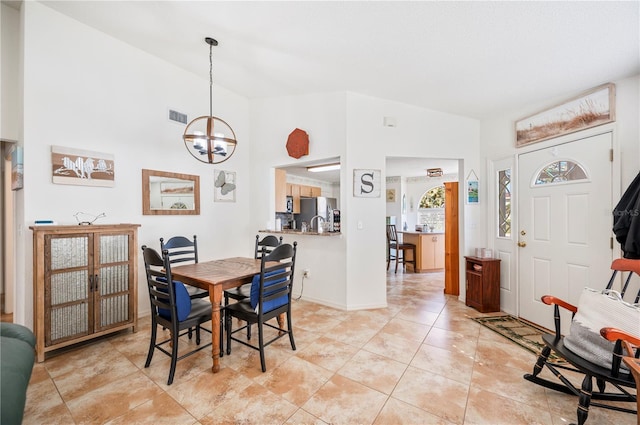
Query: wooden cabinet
{"type": "Point", "coordinates": [438, 251]}
{"type": "Point", "coordinates": [429, 250]}
{"type": "Point", "coordinates": [310, 191]}
{"type": "Point", "coordinates": [85, 283]}
{"type": "Point", "coordinates": [295, 191]}
{"type": "Point", "coordinates": [281, 190]}
{"type": "Point", "coordinates": [483, 284]}
{"type": "Point", "coordinates": [451, 251]}
{"type": "Point", "coordinates": [432, 252]}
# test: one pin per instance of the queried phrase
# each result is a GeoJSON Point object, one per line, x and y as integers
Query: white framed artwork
{"type": "Point", "coordinates": [224, 186]}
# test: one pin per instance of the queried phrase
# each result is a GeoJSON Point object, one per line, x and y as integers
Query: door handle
{"type": "Point", "coordinates": [522, 244]}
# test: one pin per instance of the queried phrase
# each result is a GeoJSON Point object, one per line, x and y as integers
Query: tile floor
{"type": "Point", "coordinates": [419, 361]}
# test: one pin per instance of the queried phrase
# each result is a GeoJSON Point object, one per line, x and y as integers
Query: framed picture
{"type": "Point", "coordinates": [224, 186]}
{"type": "Point", "coordinates": [593, 108]}
{"type": "Point", "coordinates": [80, 167]}
{"type": "Point", "coordinates": [17, 168]}
{"type": "Point", "coordinates": [391, 195]}
{"type": "Point", "coordinates": [472, 188]}
{"type": "Point", "coordinates": [367, 183]}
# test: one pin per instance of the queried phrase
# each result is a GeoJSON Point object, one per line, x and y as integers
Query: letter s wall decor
{"type": "Point", "coordinates": [367, 183]}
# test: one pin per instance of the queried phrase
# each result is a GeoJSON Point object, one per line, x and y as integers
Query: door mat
{"type": "Point", "coordinates": [522, 333]}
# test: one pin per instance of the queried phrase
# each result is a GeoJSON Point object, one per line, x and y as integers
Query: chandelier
{"type": "Point", "coordinates": [210, 139]}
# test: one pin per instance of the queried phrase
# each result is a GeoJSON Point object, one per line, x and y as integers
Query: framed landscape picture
{"type": "Point", "coordinates": [593, 108]}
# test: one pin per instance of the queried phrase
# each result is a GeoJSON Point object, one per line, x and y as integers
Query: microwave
{"type": "Point", "coordinates": [289, 204]}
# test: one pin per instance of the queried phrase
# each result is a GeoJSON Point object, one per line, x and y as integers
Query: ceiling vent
{"type": "Point", "coordinates": [177, 116]}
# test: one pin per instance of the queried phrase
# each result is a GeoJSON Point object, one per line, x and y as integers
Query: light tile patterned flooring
{"type": "Point", "coordinates": [419, 361]}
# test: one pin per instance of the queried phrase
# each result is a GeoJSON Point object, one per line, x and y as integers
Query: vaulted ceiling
{"type": "Point", "coordinates": [476, 59]}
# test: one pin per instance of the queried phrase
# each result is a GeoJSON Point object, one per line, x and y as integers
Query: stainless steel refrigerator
{"type": "Point", "coordinates": [310, 207]}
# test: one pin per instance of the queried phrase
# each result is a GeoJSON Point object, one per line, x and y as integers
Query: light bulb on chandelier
{"type": "Point", "coordinates": [210, 139]}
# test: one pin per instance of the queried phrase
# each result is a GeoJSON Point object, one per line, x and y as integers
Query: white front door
{"type": "Point", "coordinates": [564, 224]}
{"type": "Point", "coordinates": [504, 232]}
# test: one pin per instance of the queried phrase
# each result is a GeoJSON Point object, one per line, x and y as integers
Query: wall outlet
{"type": "Point", "coordinates": [306, 273]}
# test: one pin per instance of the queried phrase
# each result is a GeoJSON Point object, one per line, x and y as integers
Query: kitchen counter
{"type": "Point", "coordinates": [429, 250]}
{"type": "Point", "coordinates": [299, 232]}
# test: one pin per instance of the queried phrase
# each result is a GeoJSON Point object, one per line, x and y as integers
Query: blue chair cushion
{"type": "Point", "coordinates": [255, 292]}
{"type": "Point", "coordinates": [183, 301]}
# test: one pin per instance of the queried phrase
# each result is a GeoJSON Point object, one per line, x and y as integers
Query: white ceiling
{"type": "Point", "coordinates": [476, 59]}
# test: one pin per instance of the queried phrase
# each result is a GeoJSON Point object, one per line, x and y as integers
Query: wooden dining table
{"type": "Point", "coordinates": [217, 276]}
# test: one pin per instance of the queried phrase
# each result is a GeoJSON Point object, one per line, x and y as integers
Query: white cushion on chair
{"type": "Point", "coordinates": [597, 310]}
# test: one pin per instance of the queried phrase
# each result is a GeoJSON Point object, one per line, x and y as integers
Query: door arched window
{"type": "Point", "coordinates": [561, 171]}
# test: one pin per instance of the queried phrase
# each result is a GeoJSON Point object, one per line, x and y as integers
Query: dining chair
{"type": "Point", "coordinates": [183, 250]}
{"type": "Point", "coordinates": [269, 298]}
{"type": "Point", "coordinates": [264, 246]}
{"type": "Point", "coordinates": [393, 244]}
{"type": "Point", "coordinates": [171, 308]}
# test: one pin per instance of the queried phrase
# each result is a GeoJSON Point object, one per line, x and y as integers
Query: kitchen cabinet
{"type": "Point", "coordinates": [84, 283]}
{"type": "Point", "coordinates": [483, 284]}
{"type": "Point", "coordinates": [293, 190]}
{"type": "Point", "coordinates": [296, 191]}
{"type": "Point", "coordinates": [310, 191]}
{"type": "Point", "coordinates": [281, 190]}
{"type": "Point", "coordinates": [429, 250]}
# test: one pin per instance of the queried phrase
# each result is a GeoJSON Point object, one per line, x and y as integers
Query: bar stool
{"type": "Point", "coordinates": [392, 243]}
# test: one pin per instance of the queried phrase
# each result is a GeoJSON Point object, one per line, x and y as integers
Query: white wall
{"type": "Point", "coordinates": [419, 133]}
{"type": "Point", "coordinates": [84, 89]}
{"type": "Point", "coordinates": [416, 188]}
{"type": "Point", "coordinates": [497, 142]}
{"type": "Point", "coordinates": [349, 271]}
{"type": "Point", "coordinates": [323, 117]}
{"type": "Point", "coordinates": [394, 208]}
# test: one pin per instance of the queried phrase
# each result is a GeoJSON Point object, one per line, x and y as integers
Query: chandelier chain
{"type": "Point", "coordinates": [210, 80]}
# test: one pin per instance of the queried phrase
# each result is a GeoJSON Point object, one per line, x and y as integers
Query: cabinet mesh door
{"type": "Point", "coordinates": [67, 292]}
{"type": "Point", "coordinates": [114, 280]}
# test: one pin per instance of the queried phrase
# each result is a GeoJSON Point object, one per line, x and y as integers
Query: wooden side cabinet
{"type": "Point", "coordinates": [85, 283]}
{"type": "Point", "coordinates": [483, 284]}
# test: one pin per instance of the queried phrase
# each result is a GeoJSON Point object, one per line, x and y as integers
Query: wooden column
{"type": "Point", "coordinates": [451, 248]}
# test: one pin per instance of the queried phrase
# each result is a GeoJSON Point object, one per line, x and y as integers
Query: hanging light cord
{"type": "Point", "coordinates": [210, 80]}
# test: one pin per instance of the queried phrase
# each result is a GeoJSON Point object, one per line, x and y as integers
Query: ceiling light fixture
{"type": "Point", "coordinates": [321, 168]}
{"type": "Point", "coordinates": [210, 139]}
{"type": "Point", "coordinates": [434, 172]}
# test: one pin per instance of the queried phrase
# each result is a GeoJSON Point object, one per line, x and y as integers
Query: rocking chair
{"type": "Point", "coordinates": [619, 378]}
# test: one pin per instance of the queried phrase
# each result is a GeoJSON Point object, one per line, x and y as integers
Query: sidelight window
{"type": "Point", "coordinates": [504, 203]}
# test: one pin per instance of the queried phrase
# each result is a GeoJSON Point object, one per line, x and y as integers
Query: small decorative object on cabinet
{"type": "Point", "coordinates": [483, 284]}
{"type": "Point", "coordinates": [84, 283]}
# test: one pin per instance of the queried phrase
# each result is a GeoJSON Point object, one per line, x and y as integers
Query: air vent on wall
{"type": "Point", "coordinates": [177, 116]}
